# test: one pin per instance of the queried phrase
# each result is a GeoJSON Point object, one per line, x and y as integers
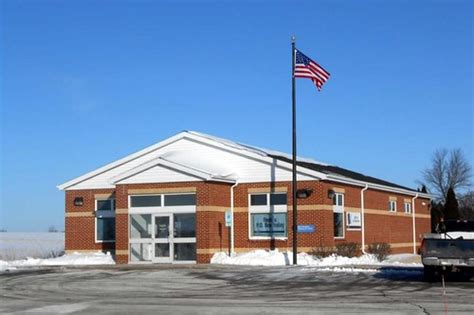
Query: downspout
{"type": "Point", "coordinates": [232, 215]}
{"type": "Point", "coordinates": [362, 208]}
{"type": "Point", "coordinates": [413, 219]}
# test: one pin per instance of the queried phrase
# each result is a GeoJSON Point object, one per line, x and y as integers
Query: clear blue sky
{"type": "Point", "coordinates": [84, 83]}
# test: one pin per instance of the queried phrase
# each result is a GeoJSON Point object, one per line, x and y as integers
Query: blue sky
{"type": "Point", "coordinates": [86, 82]}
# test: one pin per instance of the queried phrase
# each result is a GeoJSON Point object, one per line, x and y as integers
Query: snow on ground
{"type": "Point", "coordinates": [38, 245]}
{"type": "Point", "coordinates": [98, 258]}
{"type": "Point", "coordinates": [262, 257]}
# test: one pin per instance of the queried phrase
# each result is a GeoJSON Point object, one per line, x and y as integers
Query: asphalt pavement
{"type": "Point", "coordinates": [211, 289]}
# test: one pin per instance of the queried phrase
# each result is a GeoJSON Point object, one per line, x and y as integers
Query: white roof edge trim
{"type": "Point", "coordinates": [159, 161]}
{"type": "Point", "coordinates": [202, 138]}
{"type": "Point", "coordinates": [121, 161]}
{"type": "Point", "coordinates": [377, 186]}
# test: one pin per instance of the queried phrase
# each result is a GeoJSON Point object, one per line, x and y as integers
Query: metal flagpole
{"type": "Point", "coordinates": [295, 221]}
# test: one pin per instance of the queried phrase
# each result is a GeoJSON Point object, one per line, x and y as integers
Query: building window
{"type": "Point", "coordinates": [407, 207]}
{"type": "Point", "coordinates": [338, 215]}
{"type": "Point", "coordinates": [392, 206]}
{"type": "Point", "coordinates": [268, 216]}
{"type": "Point", "coordinates": [145, 201]}
{"type": "Point", "coordinates": [105, 220]}
{"type": "Point", "coordinates": [180, 200]}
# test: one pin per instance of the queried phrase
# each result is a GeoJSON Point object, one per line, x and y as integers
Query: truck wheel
{"type": "Point", "coordinates": [429, 274]}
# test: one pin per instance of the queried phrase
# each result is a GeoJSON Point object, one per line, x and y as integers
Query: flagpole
{"type": "Point", "coordinates": [295, 221]}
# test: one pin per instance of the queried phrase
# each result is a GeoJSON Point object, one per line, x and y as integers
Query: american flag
{"type": "Point", "coordinates": [307, 68]}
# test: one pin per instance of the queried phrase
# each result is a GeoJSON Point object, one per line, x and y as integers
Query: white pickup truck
{"type": "Point", "coordinates": [449, 250]}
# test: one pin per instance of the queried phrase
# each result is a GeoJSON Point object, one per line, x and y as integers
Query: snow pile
{"type": "Point", "coordinates": [75, 258]}
{"type": "Point", "coordinates": [262, 257]}
{"type": "Point", "coordinates": [15, 245]}
{"type": "Point", "coordinates": [455, 235]}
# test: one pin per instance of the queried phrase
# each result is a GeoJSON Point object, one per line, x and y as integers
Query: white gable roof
{"type": "Point", "coordinates": [202, 156]}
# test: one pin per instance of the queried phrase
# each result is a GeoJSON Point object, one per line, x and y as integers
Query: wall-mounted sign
{"type": "Point", "coordinates": [228, 218]}
{"type": "Point", "coordinates": [353, 219]}
{"type": "Point", "coordinates": [269, 224]}
{"type": "Point", "coordinates": [306, 228]}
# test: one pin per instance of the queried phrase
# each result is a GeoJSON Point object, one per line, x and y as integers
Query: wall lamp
{"type": "Point", "coordinates": [303, 193]}
{"type": "Point", "coordinates": [78, 201]}
{"type": "Point", "coordinates": [331, 194]}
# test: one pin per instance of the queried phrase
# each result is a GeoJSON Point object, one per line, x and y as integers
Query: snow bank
{"type": "Point", "coordinates": [262, 257]}
{"type": "Point", "coordinates": [98, 258]}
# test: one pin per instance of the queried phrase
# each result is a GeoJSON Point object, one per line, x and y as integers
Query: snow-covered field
{"type": "Point", "coordinates": [19, 250]}
{"type": "Point", "coordinates": [15, 246]}
{"type": "Point", "coordinates": [276, 258]}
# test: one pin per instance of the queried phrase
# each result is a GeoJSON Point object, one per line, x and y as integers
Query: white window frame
{"type": "Point", "coordinates": [392, 206]}
{"type": "Point", "coordinates": [162, 208]}
{"type": "Point", "coordinates": [102, 214]}
{"type": "Point", "coordinates": [339, 209]}
{"type": "Point", "coordinates": [267, 209]}
{"type": "Point", "coordinates": [407, 207]}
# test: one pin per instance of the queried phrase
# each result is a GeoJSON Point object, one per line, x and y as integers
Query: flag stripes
{"type": "Point", "coordinates": [307, 68]}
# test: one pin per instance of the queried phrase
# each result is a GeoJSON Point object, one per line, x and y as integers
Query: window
{"type": "Point", "coordinates": [407, 207]}
{"type": "Point", "coordinates": [392, 206]}
{"type": "Point", "coordinates": [185, 225]}
{"type": "Point", "coordinates": [338, 200]}
{"type": "Point", "coordinates": [268, 215]}
{"type": "Point", "coordinates": [105, 220]}
{"type": "Point", "coordinates": [258, 200]}
{"type": "Point", "coordinates": [338, 215]}
{"type": "Point", "coordinates": [145, 201]}
{"type": "Point", "coordinates": [180, 200]}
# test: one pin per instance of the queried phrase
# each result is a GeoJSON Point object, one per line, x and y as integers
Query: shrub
{"type": "Point", "coordinates": [321, 252]}
{"type": "Point", "coordinates": [380, 250]}
{"type": "Point", "coordinates": [348, 249]}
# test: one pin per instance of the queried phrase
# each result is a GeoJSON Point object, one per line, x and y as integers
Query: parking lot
{"type": "Point", "coordinates": [211, 289]}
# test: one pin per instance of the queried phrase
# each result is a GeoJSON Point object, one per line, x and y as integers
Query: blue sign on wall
{"type": "Point", "coordinates": [307, 228]}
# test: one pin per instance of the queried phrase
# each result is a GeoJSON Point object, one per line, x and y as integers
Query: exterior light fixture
{"type": "Point", "coordinates": [330, 193]}
{"type": "Point", "coordinates": [78, 201]}
{"type": "Point", "coordinates": [303, 193]}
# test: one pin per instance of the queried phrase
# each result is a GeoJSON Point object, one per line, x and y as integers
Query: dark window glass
{"type": "Point", "coordinates": [185, 225]}
{"type": "Point", "coordinates": [258, 200]}
{"type": "Point", "coordinates": [269, 224]}
{"type": "Point", "coordinates": [338, 224]}
{"type": "Point", "coordinates": [277, 199]}
{"type": "Point", "coordinates": [105, 229]}
{"type": "Point", "coordinates": [104, 205]}
{"type": "Point", "coordinates": [185, 251]}
{"type": "Point", "coordinates": [162, 250]}
{"type": "Point", "coordinates": [180, 200]}
{"type": "Point", "coordinates": [145, 201]}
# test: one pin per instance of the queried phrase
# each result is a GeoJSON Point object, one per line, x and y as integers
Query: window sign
{"type": "Point", "coordinates": [269, 224]}
{"type": "Point", "coordinates": [353, 219]}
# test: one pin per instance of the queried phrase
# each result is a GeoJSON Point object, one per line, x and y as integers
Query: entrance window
{"type": "Point", "coordinates": [140, 226]}
{"type": "Point", "coordinates": [180, 200]}
{"type": "Point", "coordinates": [185, 251]}
{"type": "Point", "coordinates": [185, 225]}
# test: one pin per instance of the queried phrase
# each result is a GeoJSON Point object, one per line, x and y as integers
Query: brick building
{"type": "Point", "coordinates": [167, 203]}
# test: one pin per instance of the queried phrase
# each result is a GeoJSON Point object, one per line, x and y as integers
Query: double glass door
{"type": "Point", "coordinates": [163, 238]}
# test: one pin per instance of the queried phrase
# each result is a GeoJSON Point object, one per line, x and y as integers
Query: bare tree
{"type": "Point", "coordinates": [448, 169]}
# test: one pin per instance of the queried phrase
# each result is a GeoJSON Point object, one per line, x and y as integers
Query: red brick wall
{"type": "Point", "coordinates": [213, 198]}
{"type": "Point", "coordinates": [80, 230]}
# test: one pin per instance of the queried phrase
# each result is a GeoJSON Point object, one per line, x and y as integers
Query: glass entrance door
{"type": "Point", "coordinates": [162, 238]}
